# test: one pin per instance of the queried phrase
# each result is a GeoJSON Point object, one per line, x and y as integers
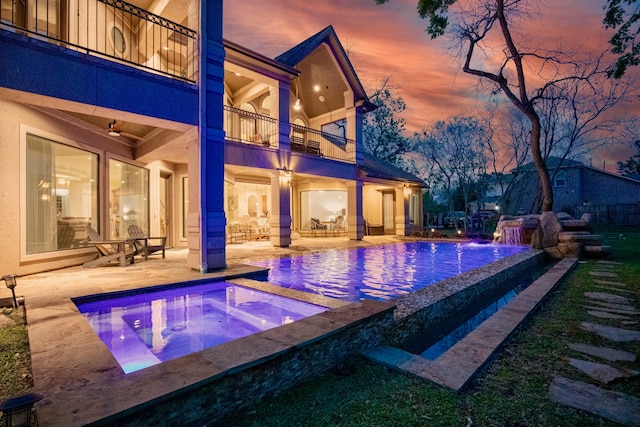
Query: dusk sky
{"type": "Point", "coordinates": [390, 41]}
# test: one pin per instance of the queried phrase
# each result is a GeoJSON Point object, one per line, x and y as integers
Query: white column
{"type": "Point", "coordinates": [355, 220]}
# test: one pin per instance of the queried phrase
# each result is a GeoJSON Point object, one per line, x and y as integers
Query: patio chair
{"type": "Point", "coordinates": [373, 229]}
{"type": "Point", "coordinates": [142, 242]}
{"type": "Point", "coordinates": [317, 226]}
{"type": "Point", "coordinates": [109, 250]}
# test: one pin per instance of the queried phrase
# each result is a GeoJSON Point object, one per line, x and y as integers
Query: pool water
{"type": "Point", "coordinates": [381, 272]}
{"type": "Point", "coordinates": [148, 328]}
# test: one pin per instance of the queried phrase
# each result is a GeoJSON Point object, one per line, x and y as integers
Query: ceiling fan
{"type": "Point", "coordinates": [115, 129]}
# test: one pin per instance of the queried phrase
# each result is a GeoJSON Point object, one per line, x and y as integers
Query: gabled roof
{"type": "Point", "coordinates": [296, 54]}
{"type": "Point", "coordinates": [552, 163]}
{"type": "Point", "coordinates": [374, 167]}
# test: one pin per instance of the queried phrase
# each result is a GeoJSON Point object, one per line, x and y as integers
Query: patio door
{"type": "Point", "coordinates": [166, 181]}
{"type": "Point", "coordinates": [388, 213]}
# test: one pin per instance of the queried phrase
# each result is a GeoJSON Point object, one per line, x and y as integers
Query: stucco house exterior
{"type": "Point", "coordinates": [117, 113]}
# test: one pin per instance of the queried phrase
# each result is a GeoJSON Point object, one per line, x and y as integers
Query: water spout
{"type": "Point", "coordinates": [512, 235]}
{"type": "Point", "coordinates": [509, 232]}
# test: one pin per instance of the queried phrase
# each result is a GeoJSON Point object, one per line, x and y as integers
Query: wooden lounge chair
{"type": "Point", "coordinates": [374, 229]}
{"type": "Point", "coordinates": [109, 250]}
{"type": "Point", "coordinates": [142, 242]}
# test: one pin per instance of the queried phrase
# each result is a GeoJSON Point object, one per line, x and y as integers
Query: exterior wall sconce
{"type": "Point", "coordinates": [407, 190]}
{"type": "Point", "coordinates": [10, 281]}
{"type": "Point", "coordinates": [297, 106]}
{"type": "Point", "coordinates": [285, 175]}
{"type": "Point", "coordinates": [18, 411]}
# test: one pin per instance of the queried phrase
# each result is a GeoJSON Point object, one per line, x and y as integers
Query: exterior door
{"type": "Point", "coordinates": [165, 207]}
{"type": "Point", "coordinates": [388, 213]}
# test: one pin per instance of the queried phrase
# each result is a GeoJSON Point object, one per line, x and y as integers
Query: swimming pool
{"type": "Point", "coordinates": [381, 272]}
{"type": "Point", "coordinates": [148, 328]}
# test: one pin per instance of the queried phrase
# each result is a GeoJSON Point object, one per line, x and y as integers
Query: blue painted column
{"type": "Point", "coordinates": [210, 255]}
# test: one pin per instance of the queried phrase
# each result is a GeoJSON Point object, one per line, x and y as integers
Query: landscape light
{"type": "Point", "coordinates": [10, 281]}
{"type": "Point", "coordinates": [18, 410]}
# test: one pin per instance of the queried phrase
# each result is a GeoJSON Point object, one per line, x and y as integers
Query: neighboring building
{"type": "Point", "coordinates": [113, 114]}
{"type": "Point", "coordinates": [577, 188]}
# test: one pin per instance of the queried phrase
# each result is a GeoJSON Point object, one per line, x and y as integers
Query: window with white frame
{"type": "Point", "coordinates": [560, 179]}
{"type": "Point", "coordinates": [128, 198]}
{"type": "Point", "coordinates": [61, 195]}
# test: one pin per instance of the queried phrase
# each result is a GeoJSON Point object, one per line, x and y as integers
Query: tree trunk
{"type": "Point", "coordinates": [541, 167]}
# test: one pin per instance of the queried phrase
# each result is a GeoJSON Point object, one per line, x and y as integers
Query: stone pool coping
{"type": "Point", "coordinates": [459, 365]}
{"type": "Point", "coordinates": [83, 384]}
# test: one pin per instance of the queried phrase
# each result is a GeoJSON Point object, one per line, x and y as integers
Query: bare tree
{"type": "Point", "coordinates": [454, 152]}
{"type": "Point", "coordinates": [474, 32]}
{"type": "Point", "coordinates": [383, 128]}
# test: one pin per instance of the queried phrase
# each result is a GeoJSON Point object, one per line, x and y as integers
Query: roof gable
{"type": "Point", "coordinates": [328, 36]}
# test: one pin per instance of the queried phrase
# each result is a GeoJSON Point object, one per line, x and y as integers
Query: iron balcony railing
{"type": "Point", "coordinates": [322, 144]}
{"type": "Point", "coordinates": [257, 129]}
{"type": "Point", "coordinates": [252, 128]}
{"type": "Point", "coordinates": [110, 28]}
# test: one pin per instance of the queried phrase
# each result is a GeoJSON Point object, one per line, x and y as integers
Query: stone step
{"type": "Point", "coordinates": [575, 225]}
{"type": "Point", "coordinates": [597, 250]}
{"type": "Point", "coordinates": [580, 237]}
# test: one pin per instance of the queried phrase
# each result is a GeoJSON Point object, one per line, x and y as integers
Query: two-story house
{"type": "Point", "coordinates": [117, 113]}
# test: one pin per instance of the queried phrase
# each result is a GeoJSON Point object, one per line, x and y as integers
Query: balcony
{"type": "Point", "coordinates": [250, 128]}
{"type": "Point", "coordinates": [112, 29]}
{"type": "Point", "coordinates": [256, 129]}
{"type": "Point", "coordinates": [322, 144]}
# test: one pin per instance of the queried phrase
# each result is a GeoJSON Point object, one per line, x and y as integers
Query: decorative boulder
{"type": "Point", "coordinates": [546, 235]}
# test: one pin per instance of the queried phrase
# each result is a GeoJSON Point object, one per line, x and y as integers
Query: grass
{"type": "Point", "coordinates": [513, 391]}
{"type": "Point", "coordinates": [15, 359]}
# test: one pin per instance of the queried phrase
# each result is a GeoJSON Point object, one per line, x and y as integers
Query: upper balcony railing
{"type": "Point", "coordinates": [109, 28]}
{"type": "Point", "coordinates": [322, 144]}
{"type": "Point", "coordinates": [248, 127]}
{"type": "Point", "coordinates": [257, 129]}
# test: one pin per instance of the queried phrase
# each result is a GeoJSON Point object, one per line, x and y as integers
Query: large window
{"type": "Point", "coordinates": [326, 206]}
{"type": "Point", "coordinates": [128, 198]}
{"type": "Point", "coordinates": [61, 195]}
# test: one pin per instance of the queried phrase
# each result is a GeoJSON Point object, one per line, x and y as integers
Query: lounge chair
{"type": "Point", "coordinates": [109, 250]}
{"type": "Point", "coordinates": [373, 229]}
{"type": "Point", "coordinates": [142, 242]}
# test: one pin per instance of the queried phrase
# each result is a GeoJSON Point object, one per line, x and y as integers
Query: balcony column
{"type": "Point", "coordinates": [402, 211]}
{"type": "Point", "coordinates": [280, 95]}
{"type": "Point", "coordinates": [280, 217]}
{"type": "Point", "coordinates": [207, 250]}
{"type": "Point", "coordinates": [354, 128]}
{"type": "Point", "coordinates": [355, 220]}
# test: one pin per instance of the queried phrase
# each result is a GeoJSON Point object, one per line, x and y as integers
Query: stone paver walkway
{"type": "Point", "coordinates": [611, 304]}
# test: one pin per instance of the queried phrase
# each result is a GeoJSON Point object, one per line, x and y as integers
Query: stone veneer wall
{"type": "Point", "coordinates": [307, 348]}
{"type": "Point", "coordinates": [424, 317]}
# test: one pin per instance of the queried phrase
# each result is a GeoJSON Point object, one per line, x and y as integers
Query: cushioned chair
{"type": "Point", "coordinates": [143, 243]}
{"type": "Point", "coordinates": [109, 250]}
{"type": "Point", "coordinates": [317, 226]}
